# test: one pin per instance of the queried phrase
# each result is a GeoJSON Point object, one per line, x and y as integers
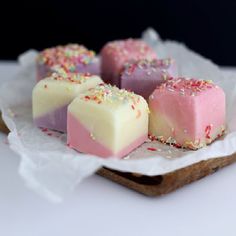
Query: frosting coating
{"type": "Point", "coordinates": [115, 54]}
{"type": "Point", "coordinates": [114, 118]}
{"type": "Point", "coordinates": [143, 76]}
{"type": "Point", "coordinates": [187, 113]}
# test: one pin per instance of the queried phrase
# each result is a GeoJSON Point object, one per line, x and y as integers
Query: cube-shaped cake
{"type": "Point", "coordinates": [107, 122]}
{"type": "Point", "coordinates": [187, 113]}
{"type": "Point", "coordinates": [52, 95]}
{"type": "Point", "coordinates": [115, 54]}
{"type": "Point", "coordinates": [143, 76]}
{"type": "Point", "coordinates": [71, 57]}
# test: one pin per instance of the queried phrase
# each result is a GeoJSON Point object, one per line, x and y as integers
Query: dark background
{"type": "Point", "coordinates": [208, 27]}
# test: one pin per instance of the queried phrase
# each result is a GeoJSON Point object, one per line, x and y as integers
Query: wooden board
{"type": "Point", "coordinates": [160, 184]}
{"type": "Point", "coordinates": [3, 127]}
{"type": "Point", "coordinates": [163, 184]}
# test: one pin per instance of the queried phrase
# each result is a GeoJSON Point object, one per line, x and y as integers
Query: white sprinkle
{"type": "Point", "coordinates": [163, 71]}
{"type": "Point", "coordinates": [164, 76]}
{"type": "Point", "coordinates": [170, 89]}
{"type": "Point", "coordinates": [148, 141]}
{"type": "Point", "coordinates": [140, 66]}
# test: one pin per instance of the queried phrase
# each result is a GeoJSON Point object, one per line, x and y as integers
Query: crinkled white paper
{"type": "Point", "coordinates": [52, 169]}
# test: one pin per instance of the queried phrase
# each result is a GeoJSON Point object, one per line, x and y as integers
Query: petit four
{"type": "Point", "coordinates": [52, 95]}
{"type": "Point", "coordinates": [107, 122]}
{"type": "Point", "coordinates": [71, 57]}
{"type": "Point", "coordinates": [115, 54]}
{"type": "Point", "coordinates": [143, 76]}
{"type": "Point", "coordinates": [188, 113]}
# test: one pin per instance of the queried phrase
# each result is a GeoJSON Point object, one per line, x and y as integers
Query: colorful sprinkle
{"type": "Point", "coordinates": [208, 131]}
{"type": "Point", "coordinates": [138, 114]}
{"type": "Point", "coordinates": [150, 65]}
{"type": "Point", "coordinates": [152, 149]}
{"type": "Point", "coordinates": [113, 95]}
{"type": "Point", "coordinates": [92, 136]}
{"type": "Point", "coordinates": [66, 57]}
{"type": "Point", "coordinates": [186, 86]}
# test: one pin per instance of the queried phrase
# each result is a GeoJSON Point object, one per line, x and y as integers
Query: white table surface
{"type": "Point", "coordinates": [100, 207]}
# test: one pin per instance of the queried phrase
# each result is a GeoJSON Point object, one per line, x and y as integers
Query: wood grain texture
{"type": "Point", "coordinates": [161, 184]}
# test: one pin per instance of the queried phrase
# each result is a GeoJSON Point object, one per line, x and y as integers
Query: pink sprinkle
{"type": "Point", "coordinates": [151, 149]}
{"type": "Point", "coordinates": [44, 129]}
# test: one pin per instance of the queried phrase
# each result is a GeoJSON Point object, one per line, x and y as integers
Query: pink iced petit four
{"type": "Point", "coordinates": [52, 95]}
{"type": "Point", "coordinates": [71, 57]}
{"type": "Point", "coordinates": [143, 76]}
{"type": "Point", "coordinates": [187, 113]}
{"type": "Point", "coordinates": [115, 54]}
{"type": "Point", "coordinates": [107, 122]}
